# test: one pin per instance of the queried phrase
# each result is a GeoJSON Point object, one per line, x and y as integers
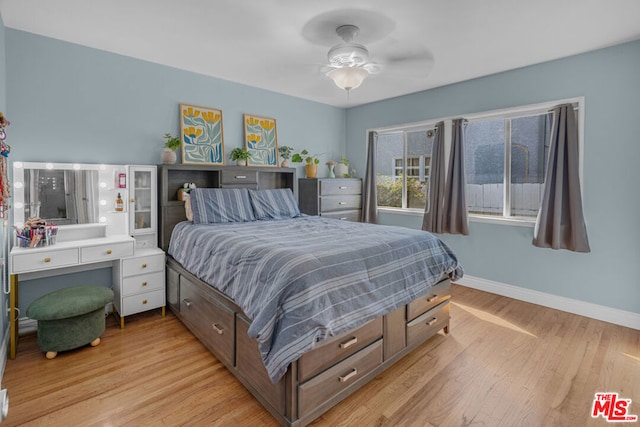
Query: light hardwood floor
{"type": "Point", "coordinates": [505, 363]}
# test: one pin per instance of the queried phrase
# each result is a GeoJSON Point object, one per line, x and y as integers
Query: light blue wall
{"type": "Point", "coordinates": [76, 104]}
{"type": "Point", "coordinates": [610, 81]}
{"type": "Point", "coordinates": [70, 103]}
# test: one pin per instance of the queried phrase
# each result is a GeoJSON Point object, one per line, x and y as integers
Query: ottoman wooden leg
{"type": "Point", "coordinates": [51, 354]}
{"type": "Point", "coordinates": [95, 342]}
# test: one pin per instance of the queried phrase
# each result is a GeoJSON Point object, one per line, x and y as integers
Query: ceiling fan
{"type": "Point", "coordinates": [349, 62]}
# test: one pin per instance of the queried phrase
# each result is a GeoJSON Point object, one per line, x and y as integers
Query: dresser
{"type": "Point", "coordinates": [339, 198]}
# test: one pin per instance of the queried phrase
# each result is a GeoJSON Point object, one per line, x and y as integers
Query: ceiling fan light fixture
{"type": "Point", "coordinates": [348, 78]}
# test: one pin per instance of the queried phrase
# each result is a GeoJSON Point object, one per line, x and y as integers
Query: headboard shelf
{"type": "Point", "coordinates": [172, 177]}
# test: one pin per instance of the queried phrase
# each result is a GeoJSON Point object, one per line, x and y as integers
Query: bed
{"type": "Point", "coordinates": [303, 310]}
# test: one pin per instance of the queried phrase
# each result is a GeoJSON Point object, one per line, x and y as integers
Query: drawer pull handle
{"type": "Point", "coordinates": [432, 321]}
{"type": "Point", "coordinates": [186, 302]}
{"type": "Point", "coordinates": [432, 298]}
{"type": "Point", "coordinates": [241, 177]}
{"type": "Point", "coordinates": [47, 259]}
{"type": "Point", "coordinates": [349, 343]}
{"type": "Point", "coordinates": [342, 203]}
{"type": "Point", "coordinates": [108, 251]}
{"type": "Point", "coordinates": [342, 188]}
{"type": "Point", "coordinates": [144, 283]}
{"type": "Point", "coordinates": [144, 301]}
{"type": "Point", "coordinates": [144, 266]}
{"type": "Point", "coordinates": [345, 378]}
{"type": "Point", "coordinates": [218, 329]}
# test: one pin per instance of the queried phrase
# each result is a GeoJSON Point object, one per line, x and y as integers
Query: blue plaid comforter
{"type": "Point", "coordinates": [304, 279]}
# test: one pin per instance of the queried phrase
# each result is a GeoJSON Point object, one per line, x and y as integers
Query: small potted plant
{"type": "Point", "coordinates": [171, 144]}
{"type": "Point", "coordinates": [311, 162]}
{"type": "Point", "coordinates": [240, 155]}
{"type": "Point", "coordinates": [285, 153]}
{"type": "Point", "coordinates": [342, 168]}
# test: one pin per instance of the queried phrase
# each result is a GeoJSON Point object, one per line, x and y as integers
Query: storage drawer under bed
{"type": "Point", "coordinates": [210, 321]}
{"type": "Point", "coordinates": [342, 376]}
{"type": "Point", "coordinates": [426, 325]}
{"type": "Point", "coordinates": [338, 348]}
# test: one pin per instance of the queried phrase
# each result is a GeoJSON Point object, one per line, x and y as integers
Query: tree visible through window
{"type": "Point", "coordinates": [403, 159]}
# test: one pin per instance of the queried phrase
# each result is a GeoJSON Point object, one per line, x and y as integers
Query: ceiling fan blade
{"type": "Point", "coordinates": [411, 62]}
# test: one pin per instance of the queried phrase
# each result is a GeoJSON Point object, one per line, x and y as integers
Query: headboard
{"type": "Point", "coordinates": [172, 177]}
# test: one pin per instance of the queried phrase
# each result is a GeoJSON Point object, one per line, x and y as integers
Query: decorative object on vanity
{"type": "Point", "coordinates": [342, 168]}
{"type": "Point", "coordinates": [70, 318]}
{"type": "Point", "coordinates": [240, 155]}
{"type": "Point", "coordinates": [339, 198]}
{"type": "Point", "coordinates": [36, 233]}
{"type": "Point", "coordinates": [261, 140]}
{"type": "Point", "coordinates": [285, 153]}
{"type": "Point", "coordinates": [171, 144]}
{"type": "Point", "coordinates": [202, 135]}
{"type": "Point", "coordinates": [311, 162]}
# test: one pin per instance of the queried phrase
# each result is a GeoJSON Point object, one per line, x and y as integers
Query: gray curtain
{"type": "Point", "coordinates": [447, 204]}
{"type": "Point", "coordinates": [369, 194]}
{"type": "Point", "coordinates": [433, 215]}
{"type": "Point", "coordinates": [560, 223]}
{"type": "Point", "coordinates": [455, 201]}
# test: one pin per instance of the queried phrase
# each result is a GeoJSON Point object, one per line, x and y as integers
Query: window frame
{"type": "Point", "coordinates": [404, 130]}
{"type": "Point", "coordinates": [503, 113]}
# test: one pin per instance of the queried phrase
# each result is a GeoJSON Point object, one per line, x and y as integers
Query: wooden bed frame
{"type": "Point", "coordinates": [320, 378]}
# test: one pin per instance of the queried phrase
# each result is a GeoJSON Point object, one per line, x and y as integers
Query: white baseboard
{"type": "Point", "coordinates": [582, 308]}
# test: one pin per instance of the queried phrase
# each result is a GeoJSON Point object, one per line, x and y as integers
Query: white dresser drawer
{"type": "Point", "coordinates": [143, 264]}
{"type": "Point", "coordinates": [143, 283]}
{"type": "Point", "coordinates": [106, 252]}
{"type": "Point", "coordinates": [142, 302]}
{"type": "Point", "coordinates": [44, 260]}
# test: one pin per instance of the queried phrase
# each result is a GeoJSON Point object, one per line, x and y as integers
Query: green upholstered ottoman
{"type": "Point", "coordinates": [70, 318]}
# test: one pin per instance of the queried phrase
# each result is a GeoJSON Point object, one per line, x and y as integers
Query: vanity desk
{"type": "Point", "coordinates": [61, 258]}
{"type": "Point", "coordinates": [92, 233]}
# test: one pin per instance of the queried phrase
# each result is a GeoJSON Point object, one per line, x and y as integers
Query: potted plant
{"type": "Point", "coordinates": [342, 168]}
{"type": "Point", "coordinates": [240, 155]}
{"type": "Point", "coordinates": [171, 144]}
{"type": "Point", "coordinates": [285, 153]}
{"type": "Point", "coordinates": [311, 162]}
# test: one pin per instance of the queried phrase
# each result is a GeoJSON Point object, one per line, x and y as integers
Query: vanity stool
{"type": "Point", "coordinates": [70, 318]}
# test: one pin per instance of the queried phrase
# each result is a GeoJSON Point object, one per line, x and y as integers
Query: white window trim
{"type": "Point", "coordinates": [510, 112]}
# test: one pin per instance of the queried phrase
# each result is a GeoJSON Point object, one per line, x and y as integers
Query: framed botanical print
{"type": "Point", "coordinates": [202, 135]}
{"type": "Point", "coordinates": [261, 140]}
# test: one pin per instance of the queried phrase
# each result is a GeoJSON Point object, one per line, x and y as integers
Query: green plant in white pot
{"type": "Point", "coordinates": [342, 168]}
{"type": "Point", "coordinates": [171, 144]}
{"type": "Point", "coordinates": [285, 153]}
{"type": "Point", "coordinates": [240, 155]}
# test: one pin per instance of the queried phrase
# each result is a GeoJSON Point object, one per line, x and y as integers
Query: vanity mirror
{"type": "Point", "coordinates": [69, 194]}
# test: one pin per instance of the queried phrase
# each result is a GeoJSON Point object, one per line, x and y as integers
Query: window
{"type": "Point", "coordinates": [402, 165]}
{"type": "Point", "coordinates": [505, 162]}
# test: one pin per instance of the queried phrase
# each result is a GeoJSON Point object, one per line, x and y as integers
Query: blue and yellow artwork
{"type": "Point", "coordinates": [202, 135]}
{"type": "Point", "coordinates": [261, 140]}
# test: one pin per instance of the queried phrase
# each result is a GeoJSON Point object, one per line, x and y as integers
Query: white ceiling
{"type": "Point", "coordinates": [275, 44]}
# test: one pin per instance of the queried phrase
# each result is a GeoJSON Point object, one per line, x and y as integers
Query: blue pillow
{"type": "Point", "coordinates": [276, 203]}
{"type": "Point", "coordinates": [216, 205]}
